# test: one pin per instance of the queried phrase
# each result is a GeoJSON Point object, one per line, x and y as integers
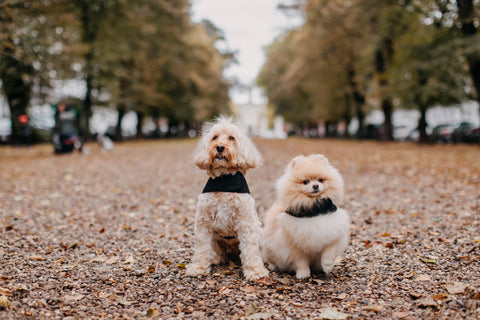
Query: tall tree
{"type": "Point", "coordinates": [468, 20]}
{"type": "Point", "coordinates": [33, 36]}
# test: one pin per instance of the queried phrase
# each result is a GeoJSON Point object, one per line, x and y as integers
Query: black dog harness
{"type": "Point", "coordinates": [320, 207]}
{"type": "Point", "coordinates": [227, 183]}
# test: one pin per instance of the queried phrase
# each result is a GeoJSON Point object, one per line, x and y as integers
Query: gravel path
{"type": "Point", "coordinates": [107, 235]}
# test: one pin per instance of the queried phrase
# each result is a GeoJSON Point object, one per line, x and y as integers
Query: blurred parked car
{"type": "Point", "coordinates": [5, 130]}
{"type": "Point", "coordinates": [465, 132]}
{"type": "Point", "coordinates": [403, 132]}
{"type": "Point", "coordinates": [443, 133]}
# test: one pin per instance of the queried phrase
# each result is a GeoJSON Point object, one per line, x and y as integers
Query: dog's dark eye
{"type": "Point", "coordinates": [306, 181]}
{"type": "Point", "coordinates": [320, 180]}
{"type": "Point", "coordinates": [214, 137]}
{"type": "Point", "coordinates": [231, 138]}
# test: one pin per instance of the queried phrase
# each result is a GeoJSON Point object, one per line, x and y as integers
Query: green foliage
{"type": "Point", "coordinates": [350, 56]}
{"type": "Point", "coordinates": [139, 55]}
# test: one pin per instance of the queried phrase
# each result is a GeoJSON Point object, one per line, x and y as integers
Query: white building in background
{"type": "Point", "coordinates": [252, 119]}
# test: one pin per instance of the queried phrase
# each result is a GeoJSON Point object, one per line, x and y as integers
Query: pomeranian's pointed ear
{"type": "Point", "coordinates": [295, 161]}
{"type": "Point", "coordinates": [320, 157]}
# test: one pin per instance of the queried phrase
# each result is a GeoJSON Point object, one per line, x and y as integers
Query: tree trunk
{"type": "Point", "coordinates": [383, 59]}
{"type": "Point", "coordinates": [118, 127]}
{"type": "Point", "coordinates": [140, 116]}
{"type": "Point", "coordinates": [422, 125]}
{"type": "Point", "coordinates": [87, 104]}
{"type": "Point", "coordinates": [387, 108]}
{"type": "Point", "coordinates": [466, 12]}
{"type": "Point", "coordinates": [359, 101]}
{"type": "Point", "coordinates": [16, 87]}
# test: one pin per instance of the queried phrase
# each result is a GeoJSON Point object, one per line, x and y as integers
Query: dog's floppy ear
{"type": "Point", "coordinates": [201, 156]}
{"type": "Point", "coordinates": [248, 155]}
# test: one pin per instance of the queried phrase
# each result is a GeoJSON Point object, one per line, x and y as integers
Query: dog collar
{"type": "Point", "coordinates": [227, 183]}
{"type": "Point", "coordinates": [320, 207]}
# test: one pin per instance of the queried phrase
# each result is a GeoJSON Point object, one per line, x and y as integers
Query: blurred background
{"type": "Point", "coordinates": [363, 69]}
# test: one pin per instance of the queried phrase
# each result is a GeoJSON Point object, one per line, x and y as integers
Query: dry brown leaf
{"type": "Point", "coordinates": [423, 277]}
{"type": "Point", "coordinates": [5, 292]}
{"type": "Point", "coordinates": [401, 314]}
{"type": "Point", "coordinates": [73, 298]}
{"type": "Point", "coordinates": [373, 307]}
{"type": "Point", "coordinates": [341, 296]}
{"type": "Point", "coordinates": [4, 302]}
{"type": "Point", "coordinates": [427, 302]}
{"type": "Point", "coordinates": [266, 281]}
{"type": "Point", "coordinates": [249, 289]}
{"type": "Point", "coordinates": [456, 287]}
{"type": "Point", "coordinates": [332, 314]}
{"type": "Point", "coordinates": [152, 313]}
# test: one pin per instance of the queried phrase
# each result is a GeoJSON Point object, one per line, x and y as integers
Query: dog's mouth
{"type": "Point", "coordinates": [220, 158]}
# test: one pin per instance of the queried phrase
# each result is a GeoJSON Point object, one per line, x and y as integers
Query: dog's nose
{"type": "Point", "coordinates": [315, 187]}
{"type": "Point", "coordinates": [220, 148]}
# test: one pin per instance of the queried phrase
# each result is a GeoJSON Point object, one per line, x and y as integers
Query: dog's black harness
{"type": "Point", "coordinates": [227, 183]}
{"type": "Point", "coordinates": [320, 207]}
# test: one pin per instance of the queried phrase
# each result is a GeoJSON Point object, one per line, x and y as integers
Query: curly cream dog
{"type": "Point", "coordinates": [305, 228]}
{"type": "Point", "coordinates": [226, 218]}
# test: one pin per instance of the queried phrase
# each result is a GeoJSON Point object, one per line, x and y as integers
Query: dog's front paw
{"type": "Point", "coordinates": [255, 274]}
{"type": "Point", "coordinates": [302, 273]}
{"type": "Point", "coordinates": [195, 270]}
{"type": "Point", "coordinates": [327, 266]}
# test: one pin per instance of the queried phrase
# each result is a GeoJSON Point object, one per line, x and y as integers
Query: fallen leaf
{"type": "Point", "coordinates": [428, 260]}
{"type": "Point", "coordinates": [427, 302]}
{"type": "Point", "coordinates": [259, 316]}
{"type": "Point", "coordinates": [373, 307]}
{"type": "Point", "coordinates": [181, 265]}
{"type": "Point", "coordinates": [456, 287]}
{"type": "Point", "coordinates": [423, 277]}
{"type": "Point", "coordinates": [414, 294]}
{"type": "Point", "coordinates": [130, 260]}
{"type": "Point", "coordinates": [4, 302]}
{"type": "Point", "coordinates": [332, 314]}
{"type": "Point", "coordinates": [341, 296]}
{"type": "Point", "coordinates": [441, 296]}
{"type": "Point", "coordinates": [266, 281]}
{"type": "Point", "coordinates": [228, 272]}
{"type": "Point", "coordinates": [401, 314]}
{"type": "Point", "coordinates": [151, 269]}
{"type": "Point", "coordinates": [36, 258]}
{"type": "Point", "coordinates": [166, 262]}
{"type": "Point", "coordinates": [252, 308]}
{"type": "Point", "coordinates": [5, 292]}
{"type": "Point", "coordinates": [224, 290]}
{"type": "Point", "coordinates": [73, 298]}
{"type": "Point", "coordinates": [126, 303]}
{"type": "Point", "coordinates": [249, 289]}
{"type": "Point", "coordinates": [111, 260]}
{"type": "Point", "coordinates": [152, 313]}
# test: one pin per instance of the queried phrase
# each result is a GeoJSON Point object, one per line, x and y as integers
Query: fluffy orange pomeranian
{"type": "Point", "coordinates": [305, 229]}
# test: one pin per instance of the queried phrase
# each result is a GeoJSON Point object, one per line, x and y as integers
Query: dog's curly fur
{"type": "Point", "coordinates": [225, 220]}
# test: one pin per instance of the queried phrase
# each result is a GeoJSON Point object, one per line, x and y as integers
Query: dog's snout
{"type": "Point", "coordinates": [315, 186]}
{"type": "Point", "coordinates": [220, 148]}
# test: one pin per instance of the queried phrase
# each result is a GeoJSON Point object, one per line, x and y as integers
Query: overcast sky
{"type": "Point", "coordinates": [248, 25]}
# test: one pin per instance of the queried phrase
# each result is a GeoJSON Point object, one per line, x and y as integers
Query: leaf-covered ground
{"type": "Point", "coordinates": [107, 235]}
